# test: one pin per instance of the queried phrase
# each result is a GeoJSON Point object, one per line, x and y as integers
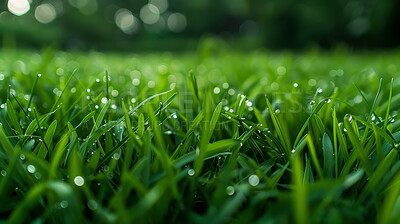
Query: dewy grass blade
{"type": "Point", "coordinates": [279, 130]}
{"type": "Point", "coordinates": [300, 194]}
{"type": "Point", "coordinates": [357, 146]}
{"type": "Point", "coordinates": [329, 161]}
{"type": "Point", "coordinates": [314, 157]}
{"type": "Point", "coordinates": [13, 117]}
{"type": "Point", "coordinates": [32, 91]}
{"type": "Point", "coordinates": [388, 106]}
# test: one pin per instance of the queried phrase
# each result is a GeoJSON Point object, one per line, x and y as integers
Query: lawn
{"type": "Point", "coordinates": [211, 136]}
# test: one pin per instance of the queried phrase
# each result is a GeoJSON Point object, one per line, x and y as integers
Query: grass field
{"type": "Point", "coordinates": [213, 136]}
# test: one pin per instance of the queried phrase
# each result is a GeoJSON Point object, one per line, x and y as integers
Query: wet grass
{"type": "Point", "coordinates": [212, 136]}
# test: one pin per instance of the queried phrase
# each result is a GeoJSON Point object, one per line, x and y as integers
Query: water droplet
{"type": "Point", "coordinates": [114, 93]}
{"type": "Point", "coordinates": [38, 175]}
{"type": "Point", "coordinates": [151, 84]}
{"type": "Point", "coordinates": [328, 101]}
{"type": "Point", "coordinates": [231, 92]}
{"type": "Point", "coordinates": [136, 82]}
{"type": "Point", "coordinates": [97, 80]}
{"type": "Point", "coordinates": [22, 156]}
{"type": "Point", "coordinates": [230, 190]}
{"type": "Point", "coordinates": [31, 168]}
{"type": "Point", "coordinates": [39, 75]}
{"type": "Point", "coordinates": [3, 173]}
{"type": "Point", "coordinates": [293, 151]}
{"type": "Point", "coordinates": [29, 109]}
{"type": "Point", "coordinates": [217, 90]}
{"type": "Point", "coordinates": [110, 175]}
{"type": "Point", "coordinates": [254, 180]}
{"type": "Point", "coordinates": [88, 90]}
{"type": "Point", "coordinates": [64, 204]}
{"type": "Point", "coordinates": [106, 168]}
{"type": "Point", "coordinates": [277, 111]}
{"type": "Point", "coordinates": [295, 85]}
{"type": "Point", "coordinates": [79, 181]}
{"type": "Point", "coordinates": [319, 90]}
{"type": "Point", "coordinates": [191, 172]}
{"type": "Point", "coordinates": [92, 204]}
{"type": "Point", "coordinates": [225, 85]}
{"type": "Point", "coordinates": [116, 156]}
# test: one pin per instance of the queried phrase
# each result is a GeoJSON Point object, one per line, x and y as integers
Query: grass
{"type": "Point", "coordinates": [212, 136]}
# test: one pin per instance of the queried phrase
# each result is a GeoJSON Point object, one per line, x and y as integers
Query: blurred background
{"type": "Point", "coordinates": [120, 25]}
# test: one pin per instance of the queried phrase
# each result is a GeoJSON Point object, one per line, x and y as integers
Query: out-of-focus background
{"type": "Point", "coordinates": [181, 24]}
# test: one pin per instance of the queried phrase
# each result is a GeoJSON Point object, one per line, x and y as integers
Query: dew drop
{"type": "Point", "coordinates": [3, 173]}
{"type": "Point", "coordinates": [254, 180]}
{"type": "Point", "coordinates": [116, 156]}
{"type": "Point", "coordinates": [79, 181]}
{"type": "Point", "coordinates": [191, 172]}
{"type": "Point", "coordinates": [64, 204]}
{"type": "Point", "coordinates": [92, 204]}
{"type": "Point", "coordinates": [31, 168]}
{"type": "Point", "coordinates": [38, 175]}
{"type": "Point", "coordinates": [230, 190]}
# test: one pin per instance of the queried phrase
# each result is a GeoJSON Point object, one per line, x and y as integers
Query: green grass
{"type": "Point", "coordinates": [213, 136]}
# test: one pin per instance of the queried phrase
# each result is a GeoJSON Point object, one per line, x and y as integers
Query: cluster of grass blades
{"type": "Point", "coordinates": [192, 154]}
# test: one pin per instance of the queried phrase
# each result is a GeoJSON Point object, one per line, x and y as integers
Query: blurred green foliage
{"type": "Point", "coordinates": [245, 23]}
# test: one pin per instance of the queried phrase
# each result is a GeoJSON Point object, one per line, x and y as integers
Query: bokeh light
{"type": "Point", "coordinates": [149, 14]}
{"type": "Point", "coordinates": [162, 5]}
{"type": "Point", "coordinates": [18, 7]}
{"type": "Point", "coordinates": [177, 22]}
{"type": "Point", "coordinates": [126, 21]}
{"type": "Point", "coordinates": [45, 13]}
